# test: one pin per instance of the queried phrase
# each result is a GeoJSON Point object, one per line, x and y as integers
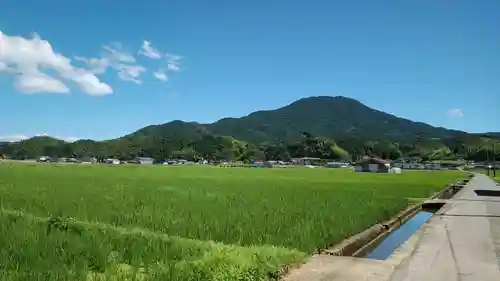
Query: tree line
{"type": "Point", "coordinates": [214, 147]}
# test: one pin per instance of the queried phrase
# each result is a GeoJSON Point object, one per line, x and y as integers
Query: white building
{"type": "Point", "coordinates": [112, 161]}
{"type": "Point", "coordinates": [145, 160]}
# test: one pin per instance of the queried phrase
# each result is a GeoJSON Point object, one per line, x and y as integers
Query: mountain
{"type": "Point", "coordinates": [309, 126]}
{"type": "Point", "coordinates": [331, 117]}
{"type": "Point", "coordinates": [492, 135]}
{"type": "Point", "coordinates": [325, 116]}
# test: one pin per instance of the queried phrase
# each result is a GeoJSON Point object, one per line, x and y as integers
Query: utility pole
{"type": "Point", "coordinates": [494, 162]}
{"type": "Point", "coordinates": [487, 162]}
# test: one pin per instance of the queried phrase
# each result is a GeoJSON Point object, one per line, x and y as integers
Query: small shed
{"type": "Point", "coordinates": [373, 165]}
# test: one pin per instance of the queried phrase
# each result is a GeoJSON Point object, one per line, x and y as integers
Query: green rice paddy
{"type": "Point", "coordinates": [98, 222]}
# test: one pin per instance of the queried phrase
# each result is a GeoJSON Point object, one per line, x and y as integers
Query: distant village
{"type": "Point", "coordinates": [364, 164]}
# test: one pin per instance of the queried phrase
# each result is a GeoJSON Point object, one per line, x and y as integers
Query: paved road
{"type": "Point", "coordinates": [459, 243]}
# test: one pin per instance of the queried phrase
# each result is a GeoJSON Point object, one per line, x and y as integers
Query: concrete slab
{"type": "Point", "coordinates": [478, 182]}
{"type": "Point", "coordinates": [471, 209]}
{"type": "Point", "coordinates": [452, 248]}
{"type": "Point", "coordinates": [461, 242]}
{"type": "Point", "coordinates": [327, 267]}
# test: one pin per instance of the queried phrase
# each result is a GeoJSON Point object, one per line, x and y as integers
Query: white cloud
{"type": "Point", "coordinates": [173, 62]}
{"type": "Point", "coordinates": [130, 72]}
{"type": "Point", "coordinates": [66, 139]}
{"type": "Point", "coordinates": [39, 83]}
{"type": "Point", "coordinates": [116, 58]}
{"type": "Point", "coordinates": [456, 112]}
{"type": "Point", "coordinates": [12, 138]}
{"type": "Point", "coordinates": [116, 53]}
{"type": "Point", "coordinates": [173, 65]}
{"type": "Point", "coordinates": [161, 75]}
{"type": "Point", "coordinates": [149, 51]}
{"type": "Point", "coordinates": [28, 58]}
{"type": "Point", "coordinates": [37, 68]}
{"type": "Point", "coordinates": [20, 137]}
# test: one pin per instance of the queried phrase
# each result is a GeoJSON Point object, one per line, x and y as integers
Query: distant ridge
{"type": "Point", "coordinates": [325, 116]}
{"type": "Point", "coordinates": [353, 126]}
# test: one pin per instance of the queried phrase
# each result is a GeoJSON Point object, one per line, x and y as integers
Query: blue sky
{"type": "Point", "coordinates": [426, 60]}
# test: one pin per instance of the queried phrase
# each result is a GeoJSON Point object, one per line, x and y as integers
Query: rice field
{"type": "Point", "coordinates": [98, 222]}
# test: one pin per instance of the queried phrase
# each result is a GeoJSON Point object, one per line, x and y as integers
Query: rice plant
{"type": "Point", "coordinates": [186, 223]}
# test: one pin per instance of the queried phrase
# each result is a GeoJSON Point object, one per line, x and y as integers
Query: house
{"type": "Point", "coordinates": [144, 160]}
{"type": "Point", "coordinates": [305, 160]}
{"type": "Point", "coordinates": [337, 165]}
{"type": "Point", "coordinates": [417, 166]}
{"type": "Point", "coordinates": [432, 166]}
{"type": "Point", "coordinates": [399, 165]}
{"type": "Point", "coordinates": [373, 165]}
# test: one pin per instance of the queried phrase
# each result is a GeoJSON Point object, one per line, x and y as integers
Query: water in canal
{"type": "Point", "coordinates": [384, 249]}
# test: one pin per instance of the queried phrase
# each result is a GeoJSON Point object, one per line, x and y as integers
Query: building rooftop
{"type": "Point", "coordinates": [306, 158]}
{"type": "Point", "coordinates": [144, 158]}
{"type": "Point", "coordinates": [374, 159]}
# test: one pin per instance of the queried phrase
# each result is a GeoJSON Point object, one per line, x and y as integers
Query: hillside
{"type": "Point", "coordinates": [325, 116]}
{"type": "Point", "coordinates": [330, 117]}
{"type": "Point", "coordinates": [492, 135]}
{"type": "Point", "coordinates": [316, 126]}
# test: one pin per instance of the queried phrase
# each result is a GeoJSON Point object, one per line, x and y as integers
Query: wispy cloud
{"type": "Point", "coordinates": [173, 62]}
{"type": "Point", "coordinates": [161, 75]}
{"type": "Point", "coordinates": [115, 57]}
{"type": "Point", "coordinates": [149, 51]}
{"type": "Point", "coordinates": [455, 112]}
{"type": "Point", "coordinates": [130, 72]}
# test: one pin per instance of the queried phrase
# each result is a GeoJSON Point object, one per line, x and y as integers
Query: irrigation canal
{"type": "Point", "coordinates": [460, 242]}
{"type": "Point", "coordinates": [396, 238]}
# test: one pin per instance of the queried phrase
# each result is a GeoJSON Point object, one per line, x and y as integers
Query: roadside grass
{"type": "Point", "coordinates": [490, 174]}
